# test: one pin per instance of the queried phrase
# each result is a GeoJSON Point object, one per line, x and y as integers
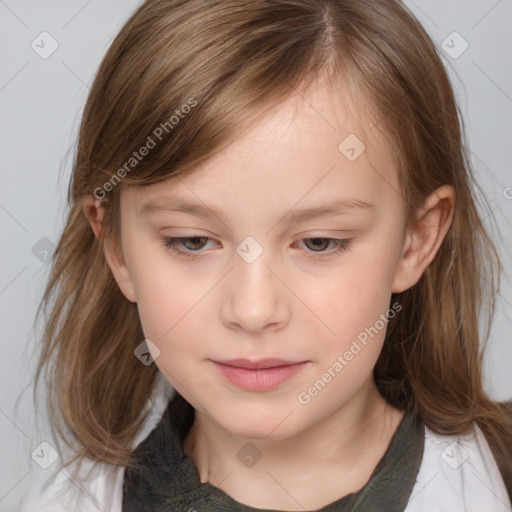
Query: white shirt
{"type": "Point", "coordinates": [457, 474]}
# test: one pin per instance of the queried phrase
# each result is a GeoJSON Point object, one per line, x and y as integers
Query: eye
{"type": "Point", "coordinates": [175, 244]}
{"type": "Point", "coordinates": [319, 243]}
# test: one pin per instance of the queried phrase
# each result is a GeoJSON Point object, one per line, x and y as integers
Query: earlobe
{"type": "Point", "coordinates": [424, 238]}
{"type": "Point", "coordinates": [94, 211]}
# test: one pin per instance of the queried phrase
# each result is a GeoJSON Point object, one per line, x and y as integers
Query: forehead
{"type": "Point", "coordinates": [315, 144]}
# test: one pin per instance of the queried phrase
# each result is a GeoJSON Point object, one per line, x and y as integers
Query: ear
{"type": "Point", "coordinates": [94, 210]}
{"type": "Point", "coordinates": [424, 238]}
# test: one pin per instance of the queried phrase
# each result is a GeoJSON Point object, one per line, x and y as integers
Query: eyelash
{"type": "Point", "coordinates": [172, 244]}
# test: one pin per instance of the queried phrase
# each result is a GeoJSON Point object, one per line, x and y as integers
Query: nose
{"type": "Point", "coordinates": [255, 299]}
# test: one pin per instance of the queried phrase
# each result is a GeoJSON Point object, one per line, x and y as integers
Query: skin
{"type": "Point", "coordinates": [285, 304]}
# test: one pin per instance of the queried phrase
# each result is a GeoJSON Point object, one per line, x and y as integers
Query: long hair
{"type": "Point", "coordinates": [183, 77]}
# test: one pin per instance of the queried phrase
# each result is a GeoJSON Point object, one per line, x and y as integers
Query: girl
{"type": "Point", "coordinates": [267, 292]}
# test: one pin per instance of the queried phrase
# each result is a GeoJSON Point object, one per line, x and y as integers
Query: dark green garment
{"type": "Point", "coordinates": [168, 480]}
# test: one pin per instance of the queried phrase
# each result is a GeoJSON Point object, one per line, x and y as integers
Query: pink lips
{"type": "Point", "coordinates": [259, 375]}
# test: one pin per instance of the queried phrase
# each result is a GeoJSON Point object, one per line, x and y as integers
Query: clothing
{"type": "Point", "coordinates": [169, 481]}
{"type": "Point", "coordinates": [428, 472]}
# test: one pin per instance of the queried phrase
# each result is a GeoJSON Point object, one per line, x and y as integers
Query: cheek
{"type": "Point", "coordinates": [169, 319]}
{"type": "Point", "coordinates": [167, 309]}
{"type": "Point", "coordinates": [167, 297]}
{"type": "Point", "coordinates": [353, 304]}
{"type": "Point", "coordinates": [352, 299]}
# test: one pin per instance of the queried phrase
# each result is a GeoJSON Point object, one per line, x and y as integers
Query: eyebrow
{"type": "Point", "coordinates": [330, 209]}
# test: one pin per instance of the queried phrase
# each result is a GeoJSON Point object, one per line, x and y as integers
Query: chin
{"type": "Point", "coordinates": [255, 428]}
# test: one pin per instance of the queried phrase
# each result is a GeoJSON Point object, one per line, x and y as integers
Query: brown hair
{"type": "Point", "coordinates": [236, 58]}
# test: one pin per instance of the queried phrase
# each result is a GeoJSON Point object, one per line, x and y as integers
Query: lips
{"type": "Point", "coordinates": [260, 363]}
{"type": "Point", "coordinates": [261, 375]}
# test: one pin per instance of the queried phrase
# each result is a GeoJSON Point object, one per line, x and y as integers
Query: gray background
{"type": "Point", "coordinates": [41, 102]}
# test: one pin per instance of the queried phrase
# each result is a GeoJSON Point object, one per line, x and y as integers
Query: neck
{"type": "Point", "coordinates": [328, 459]}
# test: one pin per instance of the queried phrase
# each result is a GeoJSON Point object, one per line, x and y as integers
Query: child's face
{"type": "Point", "coordinates": [299, 300]}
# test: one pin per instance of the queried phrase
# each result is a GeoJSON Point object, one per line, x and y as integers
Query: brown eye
{"type": "Point", "coordinates": [180, 245]}
{"type": "Point", "coordinates": [196, 241]}
{"type": "Point", "coordinates": [318, 245]}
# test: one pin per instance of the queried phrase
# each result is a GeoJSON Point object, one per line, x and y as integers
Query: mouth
{"type": "Point", "coordinates": [260, 375]}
